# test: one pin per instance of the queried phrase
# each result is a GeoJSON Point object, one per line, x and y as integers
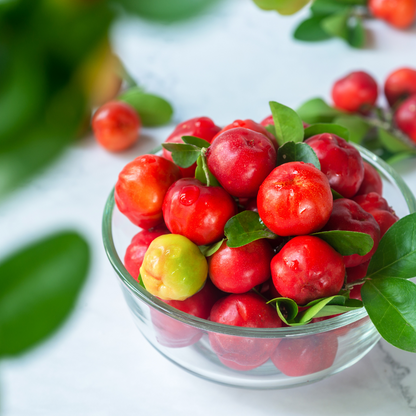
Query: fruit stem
{"type": "Point", "coordinates": [204, 165]}
{"type": "Point", "coordinates": [350, 285]}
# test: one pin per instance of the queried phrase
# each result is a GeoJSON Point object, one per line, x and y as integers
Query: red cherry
{"type": "Point", "coordinates": [398, 13]}
{"type": "Point", "coordinates": [400, 85]}
{"type": "Point", "coordinates": [372, 181]}
{"type": "Point", "coordinates": [405, 117]}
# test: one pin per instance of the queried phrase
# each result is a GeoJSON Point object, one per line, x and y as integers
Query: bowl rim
{"type": "Point", "coordinates": [313, 328]}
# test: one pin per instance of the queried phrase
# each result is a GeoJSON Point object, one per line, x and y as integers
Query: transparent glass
{"type": "Point", "coordinates": [249, 357]}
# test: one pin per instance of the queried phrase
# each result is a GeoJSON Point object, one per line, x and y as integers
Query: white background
{"type": "Point", "coordinates": [225, 65]}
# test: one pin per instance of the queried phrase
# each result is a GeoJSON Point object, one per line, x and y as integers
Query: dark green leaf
{"type": "Point", "coordinates": [286, 308]}
{"type": "Point", "coordinates": [356, 33]}
{"type": "Point", "coordinates": [327, 128]}
{"type": "Point", "coordinates": [396, 252]}
{"type": "Point", "coordinates": [327, 7]}
{"type": "Point", "coordinates": [201, 174]}
{"type": "Point", "coordinates": [400, 156]}
{"type": "Point", "coordinates": [244, 228]}
{"type": "Point", "coordinates": [310, 30]}
{"type": "Point", "coordinates": [288, 125]}
{"type": "Point", "coordinates": [336, 195]}
{"type": "Point", "coordinates": [152, 109]}
{"type": "Point", "coordinates": [337, 24]}
{"type": "Point", "coordinates": [140, 280]}
{"type": "Point", "coordinates": [347, 242]}
{"type": "Point", "coordinates": [211, 249]}
{"type": "Point", "coordinates": [392, 143]}
{"type": "Point", "coordinates": [196, 141]}
{"type": "Point", "coordinates": [39, 286]}
{"type": "Point", "coordinates": [356, 126]}
{"type": "Point", "coordinates": [297, 152]}
{"type": "Point", "coordinates": [390, 303]}
{"type": "Point", "coordinates": [317, 110]}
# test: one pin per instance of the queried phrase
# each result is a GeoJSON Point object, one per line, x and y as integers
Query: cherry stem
{"type": "Point", "coordinates": [350, 285]}
{"type": "Point", "coordinates": [204, 165]}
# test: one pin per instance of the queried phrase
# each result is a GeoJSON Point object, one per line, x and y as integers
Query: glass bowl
{"type": "Point", "coordinates": [249, 357]}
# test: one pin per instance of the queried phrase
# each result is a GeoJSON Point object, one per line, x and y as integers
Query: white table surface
{"type": "Point", "coordinates": [226, 65]}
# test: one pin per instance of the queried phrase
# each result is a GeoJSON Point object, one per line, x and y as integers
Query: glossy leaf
{"type": "Point", "coordinates": [337, 24]}
{"type": "Point", "coordinates": [211, 249]}
{"type": "Point", "coordinates": [347, 242]}
{"type": "Point", "coordinates": [244, 228]}
{"type": "Point", "coordinates": [390, 304]}
{"type": "Point", "coordinates": [287, 123]}
{"type": "Point", "coordinates": [196, 141]}
{"type": "Point", "coordinates": [317, 110]}
{"type": "Point", "coordinates": [297, 152]}
{"type": "Point", "coordinates": [310, 30]}
{"type": "Point", "coordinates": [202, 171]}
{"type": "Point", "coordinates": [396, 252]}
{"type": "Point", "coordinates": [327, 128]}
{"type": "Point", "coordinates": [357, 127]}
{"type": "Point", "coordinates": [286, 308]}
{"type": "Point", "coordinates": [184, 155]}
{"type": "Point", "coordinates": [152, 109]}
{"type": "Point", "coordinates": [39, 286]}
{"type": "Point", "coordinates": [392, 143]}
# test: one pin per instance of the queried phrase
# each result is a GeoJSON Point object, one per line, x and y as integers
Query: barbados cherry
{"type": "Point", "coordinates": [398, 13]}
{"type": "Point", "coordinates": [356, 92]}
{"type": "Point", "coordinates": [295, 199]}
{"type": "Point", "coordinates": [241, 159]}
{"type": "Point", "coordinates": [237, 270]}
{"type": "Point", "coordinates": [347, 215]}
{"type": "Point", "coordinates": [307, 268]}
{"type": "Point", "coordinates": [116, 126]}
{"type": "Point", "coordinates": [400, 85]}
{"type": "Point", "coordinates": [405, 117]}
{"type": "Point", "coordinates": [371, 182]}
{"type": "Point", "coordinates": [202, 127]}
{"type": "Point", "coordinates": [244, 310]}
{"type": "Point", "coordinates": [340, 162]}
{"type": "Point", "coordinates": [197, 211]}
{"type": "Point", "coordinates": [141, 187]}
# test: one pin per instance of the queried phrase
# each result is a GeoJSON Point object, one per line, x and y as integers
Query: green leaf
{"type": "Point", "coordinates": [390, 304]}
{"type": "Point", "coordinates": [39, 286]}
{"type": "Point", "coordinates": [313, 308]}
{"type": "Point", "coordinates": [297, 152]}
{"type": "Point", "coordinates": [327, 128]}
{"type": "Point", "coordinates": [284, 7]}
{"type": "Point", "coordinates": [356, 33]}
{"type": "Point", "coordinates": [211, 249]}
{"type": "Point", "coordinates": [329, 310]}
{"type": "Point", "coordinates": [152, 109]}
{"type": "Point", "coordinates": [200, 174]}
{"type": "Point", "coordinates": [327, 7]}
{"type": "Point", "coordinates": [286, 308]}
{"type": "Point", "coordinates": [357, 127]}
{"type": "Point", "coordinates": [196, 141]}
{"type": "Point", "coordinates": [244, 228]}
{"type": "Point", "coordinates": [396, 252]}
{"type": "Point", "coordinates": [336, 195]}
{"type": "Point", "coordinates": [288, 125]}
{"type": "Point", "coordinates": [140, 280]}
{"type": "Point", "coordinates": [347, 242]}
{"type": "Point", "coordinates": [400, 156]}
{"type": "Point", "coordinates": [392, 143]}
{"type": "Point", "coordinates": [310, 30]}
{"type": "Point", "coordinates": [270, 128]}
{"type": "Point", "coordinates": [184, 155]}
{"type": "Point", "coordinates": [337, 24]}
{"type": "Point", "coordinates": [317, 110]}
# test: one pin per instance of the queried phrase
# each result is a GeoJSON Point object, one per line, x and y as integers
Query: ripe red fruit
{"type": "Point", "coordinates": [244, 310]}
{"type": "Point", "coordinates": [340, 161]}
{"type": "Point", "coordinates": [400, 84]}
{"type": "Point", "coordinates": [405, 117]}
{"type": "Point", "coordinates": [116, 126]}
{"type": "Point", "coordinates": [372, 181]}
{"type": "Point", "coordinates": [307, 268]}
{"type": "Point", "coordinates": [241, 159]}
{"type": "Point", "coordinates": [295, 199]}
{"type": "Point", "coordinates": [133, 258]}
{"type": "Point", "coordinates": [141, 188]}
{"type": "Point", "coordinates": [196, 211]}
{"type": "Point", "coordinates": [202, 127]}
{"type": "Point", "coordinates": [398, 13]}
{"type": "Point", "coordinates": [356, 92]}
{"type": "Point", "coordinates": [349, 216]}
{"type": "Point", "coordinates": [238, 270]}
{"type": "Point", "coordinates": [307, 355]}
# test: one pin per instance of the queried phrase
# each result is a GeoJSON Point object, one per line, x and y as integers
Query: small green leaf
{"type": "Point", "coordinates": [347, 242]}
{"type": "Point", "coordinates": [288, 125]}
{"type": "Point", "coordinates": [317, 110]}
{"type": "Point", "coordinates": [140, 280]}
{"type": "Point", "coordinates": [356, 126]}
{"type": "Point", "coordinates": [196, 141]}
{"type": "Point", "coordinates": [39, 286]}
{"type": "Point", "coordinates": [327, 128]}
{"type": "Point", "coordinates": [244, 228]}
{"type": "Point", "coordinates": [270, 128]}
{"type": "Point", "coordinates": [336, 195]}
{"type": "Point", "coordinates": [200, 174]}
{"type": "Point", "coordinates": [356, 33]}
{"type": "Point", "coordinates": [329, 310]}
{"type": "Point", "coordinates": [184, 155]}
{"type": "Point", "coordinates": [313, 308]}
{"type": "Point", "coordinates": [180, 147]}
{"type": "Point", "coordinates": [297, 152]}
{"type": "Point", "coordinates": [390, 303]}
{"type": "Point", "coordinates": [337, 24]}
{"type": "Point", "coordinates": [310, 30]}
{"type": "Point", "coordinates": [327, 7]}
{"type": "Point", "coordinates": [392, 143]}
{"type": "Point", "coordinates": [211, 249]}
{"type": "Point", "coordinates": [286, 308]}
{"type": "Point", "coordinates": [400, 156]}
{"type": "Point", "coordinates": [152, 110]}
{"type": "Point", "coordinates": [284, 7]}
{"type": "Point", "coordinates": [396, 252]}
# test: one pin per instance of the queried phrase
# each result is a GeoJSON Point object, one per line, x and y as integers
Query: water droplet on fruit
{"type": "Point", "coordinates": [189, 195]}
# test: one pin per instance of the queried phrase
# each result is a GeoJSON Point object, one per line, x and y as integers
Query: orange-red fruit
{"type": "Point", "coordinates": [116, 126]}
{"type": "Point", "coordinates": [398, 13]}
{"type": "Point", "coordinates": [400, 84]}
{"type": "Point", "coordinates": [405, 117]}
{"type": "Point", "coordinates": [356, 92]}
{"type": "Point", "coordinates": [141, 188]}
